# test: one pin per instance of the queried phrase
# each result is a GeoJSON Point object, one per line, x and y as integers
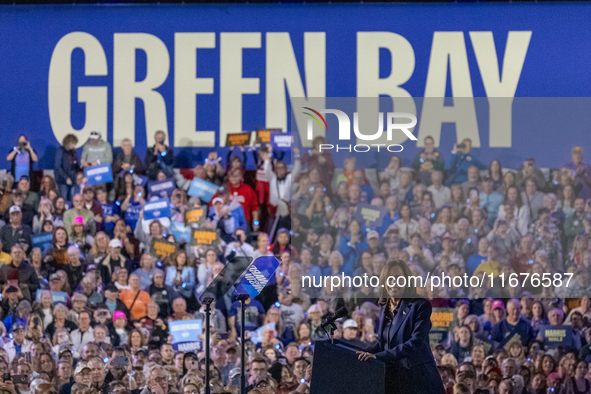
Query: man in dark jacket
{"type": "Point", "coordinates": [66, 166]}
{"type": "Point", "coordinates": [159, 157]}
{"type": "Point", "coordinates": [16, 232]}
{"type": "Point", "coordinates": [22, 271]}
{"type": "Point", "coordinates": [128, 160]}
{"type": "Point", "coordinates": [28, 211]}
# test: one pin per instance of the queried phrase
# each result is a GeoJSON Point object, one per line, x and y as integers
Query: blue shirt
{"type": "Point", "coordinates": [491, 202]}
{"type": "Point", "coordinates": [253, 315]}
{"type": "Point", "coordinates": [22, 162]}
{"type": "Point", "coordinates": [111, 305]}
{"type": "Point", "coordinates": [473, 263]}
{"type": "Point", "coordinates": [110, 209]}
{"type": "Point", "coordinates": [132, 214]}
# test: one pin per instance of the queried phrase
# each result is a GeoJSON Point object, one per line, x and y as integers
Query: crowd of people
{"type": "Point", "coordinates": [89, 311]}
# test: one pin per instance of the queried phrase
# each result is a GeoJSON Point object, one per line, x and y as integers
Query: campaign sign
{"type": "Point", "coordinates": [205, 237]}
{"type": "Point", "coordinates": [157, 209]}
{"type": "Point", "coordinates": [441, 318]}
{"type": "Point", "coordinates": [56, 296]}
{"type": "Point", "coordinates": [257, 276]}
{"type": "Point", "coordinates": [180, 232]}
{"type": "Point", "coordinates": [140, 180]}
{"type": "Point", "coordinates": [237, 139]}
{"type": "Point", "coordinates": [188, 346]}
{"type": "Point", "coordinates": [258, 335]}
{"type": "Point", "coordinates": [162, 248]}
{"type": "Point", "coordinates": [203, 189]}
{"type": "Point", "coordinates": [195, 216]}
{"type": "Point", "coordinates": [185, 330]}
{"type": "Point", "coordinates": [372, 214]}
{"type": "Point", "coordinates": [98, 174]}
{"type": "Point", "coordinates": [281, 141]}
{"type": "Point", "coordinates": [162, 189]}
{"type": "Point", "coordinates": [43, 241]}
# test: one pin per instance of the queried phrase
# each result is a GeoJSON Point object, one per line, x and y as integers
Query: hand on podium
{"type": "Point", "coordinates": [364, 356]}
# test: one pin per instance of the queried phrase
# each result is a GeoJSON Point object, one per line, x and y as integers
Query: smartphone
{"type": "Point", "coordinates": [20, 379]}
{"type": "Point", "coordinates": [120, 362]}
{"type": "Point", "coordinates": [461, 146]}
{"type": "Point", "coordinates": [6, 377]}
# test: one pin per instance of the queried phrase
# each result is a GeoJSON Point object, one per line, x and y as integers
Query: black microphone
{"type": "Point", "coordinates": [341, 312]}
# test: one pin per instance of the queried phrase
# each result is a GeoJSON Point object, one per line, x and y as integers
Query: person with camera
{"type": "Point", "coordinates": [159, 157]}
{"type": "Point", "coordinates": [21, 158]}
{"type": "Point", "coordinates": [462, 160]}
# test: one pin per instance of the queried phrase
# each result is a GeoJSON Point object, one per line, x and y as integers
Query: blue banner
{"type": "Point", "coordinates": [98, 175]}
{"type": "Point", "coordinates": [180, 232]}
{"type": "Point", "coordinates": [157, 209]}
{"type": "Point", "coordinates": [188, 346]}
{"type": "Point", "coordinates": [162, 189]}
{"type": "Point", "coordinates": [57, 296]}
{"type": "Point", "coordinates": [203, 189]}
{"type": "Point", "coordinates": [257, 276]}
{"type": "Point", "coordinates": [43, 241]}
{"type": "Point", "coordinates": [280, 141]}
{"type": "Point", "coordinates": [202, 71]}
{"type": "Point", "coordinates": [185, 330]}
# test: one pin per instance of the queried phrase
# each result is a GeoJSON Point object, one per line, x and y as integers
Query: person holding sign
{"type": "Point", "coordinates": [96, 151]}
{"type": "Point", "coordinates": [557, 336]}
{"type": "Point", "coordinates": [226, 215]}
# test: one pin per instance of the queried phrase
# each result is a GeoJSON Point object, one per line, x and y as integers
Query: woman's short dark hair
{"type": "Point", "coordinates": [410, 291]}
{"type": "Point", "coordinates": [68, 139]}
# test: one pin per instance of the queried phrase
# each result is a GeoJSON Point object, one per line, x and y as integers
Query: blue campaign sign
{"type": "Point", "coordinates": [185, 330]}
{"type": "Point", "coordinates": [257, 276]}
{"type": "Point", "coordinates": [281, 141]}
{"type": "Point", "coordinates": [43, 241]}
{"type": "Point", "coordinates": [188, 346]}
{"type": "Point", "coordinates": [57, 296]}
{"type": "Point", "coordinates": [180, 232]}
{"type": "Point", "coordinates": [157, 209]}
{"type": "Point", "coordinates": [162, 189]}
{"type": "Point", "coordinates": [203, 189]}
{"type": "Point", "coordinates": [98, 174]}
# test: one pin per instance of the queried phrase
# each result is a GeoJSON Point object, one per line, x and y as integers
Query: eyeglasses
{"type": "Point", "coordinates": [262, 385]}
{"type": "Point", "coordinates": [161, 379]}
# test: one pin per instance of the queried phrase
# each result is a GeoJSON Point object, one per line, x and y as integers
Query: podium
{"type": "Point", "coordinates": [337, 370]}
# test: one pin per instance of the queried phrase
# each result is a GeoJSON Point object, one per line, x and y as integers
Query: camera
{"type": "Point", "coordinates": [461, 146]}
{"type": "Point", "coordinates": [21, 145]}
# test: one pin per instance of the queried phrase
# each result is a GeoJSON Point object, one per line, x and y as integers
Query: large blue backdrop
{"type": "Point", "coordinates": [202, 71]}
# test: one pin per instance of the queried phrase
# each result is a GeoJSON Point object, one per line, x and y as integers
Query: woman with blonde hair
{"type": "Point", "coordinates": [335, 264]}
{"type": "Point", "coordinates": [181, 276]}
{"type": "Point", "coordinates": [99, 248]}
{"type": "Point", "coordinates": [45, 213]}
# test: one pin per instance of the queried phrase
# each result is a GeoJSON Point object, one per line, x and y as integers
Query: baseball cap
{"type": "Point", "coordinates": [18, 326]}
{"type": "Point", "coordinates": [350, 323]}
{"type": "Point", "coordinates": [14, 208]}
{"type": "Point", "coordinates": [373, 234]}
{"type": "Point", "coordinates": [95, 135]}
{"type": "Point", "coordinates": [81, 367]}
{"type": "Point", "coordinates": [65, 346]}
{"type": "Point", "coordinates": [577, 149]}
{"type": "Point", "coordinates": [498, 304]}
{"type": "Point", "coordinates": [79, 220]}
{"type": "Point", "coordinates": [216, 200]}
{"type": "Point", "coordinates": [115, 243]}
{"type": "Point", "coordinates": [447, 236]}
{"type": "Point", "coordinates": [54, 277]}
{"type": "Point", "coordinates": [119, 314]}
{"type": "Point", "coordinates": [24, 177]}
{"type": "Point", "coordinates": [91, 267]}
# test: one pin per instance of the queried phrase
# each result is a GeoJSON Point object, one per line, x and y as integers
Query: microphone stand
{"type": "Point", "coordinates": [207, 301]}
{"type": "Point", "coordinates": [242, 298]}
{"type": "Point", "coordinates": [332, 328]}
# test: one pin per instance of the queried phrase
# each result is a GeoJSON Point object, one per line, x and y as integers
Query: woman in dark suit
{"type": "Point", "coordinates": [403, 336]}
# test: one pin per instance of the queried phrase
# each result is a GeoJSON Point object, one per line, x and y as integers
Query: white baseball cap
{"type": "Point", "coordinates": [350, 323]}
{"type": "Point", "coordinates": [14, 208]}
{"type": "Point", "coordinates": [95, 135]}
{"type": "Point", "coordinates": [216, 200]}
{"type": "Point", "coordinates": [115, 243]}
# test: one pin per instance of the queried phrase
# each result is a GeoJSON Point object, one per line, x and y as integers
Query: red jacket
{"type": "Point", "coordinates": [246, 197]}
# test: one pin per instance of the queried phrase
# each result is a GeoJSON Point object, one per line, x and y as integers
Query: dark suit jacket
{"type": "Point", "coordinates": [410, 365]}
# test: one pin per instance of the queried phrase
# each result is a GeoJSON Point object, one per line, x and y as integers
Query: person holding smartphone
{"type": "Point", "coordinates": [21, 158]}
